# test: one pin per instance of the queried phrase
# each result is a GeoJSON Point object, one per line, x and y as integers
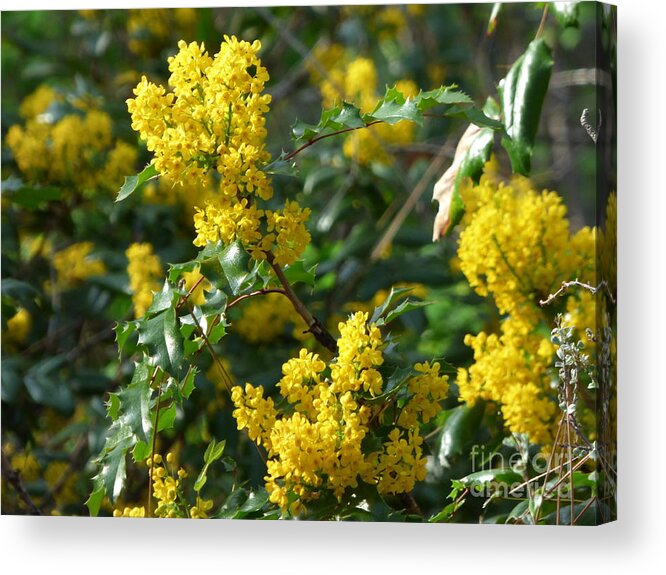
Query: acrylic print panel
{"type": "Point", "coordinates": [227, 291]}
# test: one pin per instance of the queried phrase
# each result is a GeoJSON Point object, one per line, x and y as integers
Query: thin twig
{"type": "Point", "coordinates": [392, 230]}
{"type": "Point", "coordinates": [319, 138]}
{"type": "Point", "coordinates": [13, 477]}
{"type": "Point", "coordinates": [566, 285]}
{"type": "Point", "coordinates": [240, 298]}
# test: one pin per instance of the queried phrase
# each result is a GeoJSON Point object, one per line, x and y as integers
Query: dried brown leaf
{"type": "Point", "coordinates": [445, 186]}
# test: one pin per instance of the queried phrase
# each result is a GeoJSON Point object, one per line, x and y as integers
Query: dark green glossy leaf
{"type": "Point", "coordinates": [458, 432]}
{"type": "Point", "coordinates": [163, 341]}
{"type": "Point", "coordinates": [132, 183]}
{"type": "Point", "coordinates": [123, 332]}
{"type": "Point", "coordinates": [234, 261]}
{"type": "Point", "coordinates": [522, 93]}
{"type": "Point", "coordinates": [164, 299]}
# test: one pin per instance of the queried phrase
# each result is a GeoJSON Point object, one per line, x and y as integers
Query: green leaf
{"type": "Point", "coordinates": [45, 385]}
{"type": "Point", "coordinates": [332, 120]}
{"type": "Point", "coordinates": [444, 95]}
{"type": "Point", "coordinates": [132, 183]}
{"type": "Point", "coordinates": [234, 261]}
{"type": "Point", "coordinates": [217, 333]}
{"type": "Point", "coordinates": [12, 380]}
{"type": "Point", "coordinates": [522, 93]}
{"type": "Point", "coordinates": [458, 431]}
{"type": "Point", "coordinates": [404, 307]}
{"type": "Point", "coordinates": [482, 478]}
{"type": "Point", "coordinates": [130, 412]}
{"type": "Point", "coordinates": [298, 273]}
{"type": "Point", "coordinates": [32, 197]}
{"type": "Point", "coordinates": [164, 299]}
{"type": "Point", "coordinates": [566, 13]}
{"type": "Point", "coordinates": [18, 290]}
{"type": "Point", "coordinates": [394, 108]}
{"type": "Point", "coordinates": [394, 295]}
{"type": "Point", "coordinates": [163, 341]}
{"type": "Point", "coordinates": [213, 452]}
{"type": "Point", "coordinates": [187, 385]}
{"type": "Point", "coordinates": [176, 270]}
{"type": "Point", "coordinates": [447, 513]}
{"type": "Point", "coordinates": [167, 417]}
{"type": "Point", "coordinates": [94, 502]}
{"type": "Point", "coordinates": [123, 332]}
{"type": "Point", "coordinates": [141, 451]}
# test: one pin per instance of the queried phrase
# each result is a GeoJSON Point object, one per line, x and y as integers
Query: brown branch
{"type": "Point", "coordinates": [186, 297]}
{"type": "Point", "coordinates": [319, 138]}
{"type": "Point", "coordinates": [566, 285]}
{"type": "Point", "coordinates": [315, 327]}
{"type": "Point", "coordinates": [13, 477]}
{"type": "Point", "coordinates": [410, 503]}
{"type": "Point", "coordinates": [240, 298]}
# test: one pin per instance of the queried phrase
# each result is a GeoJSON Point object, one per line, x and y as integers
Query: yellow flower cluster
{"type": "Point", "coordinates": [78, 150]}
{"type": "Point", "coordinates": [355, 80]}
{"type": "Point", "coordinates": [213, 120]}
{"type": "Point", "coordinates": [316, 445]}
{"type": "Point", "coordinates": [144, 270]}
{"type": "Point", "coordinates": [265, 318]}
{"type": "Point", "coordinates": [516, 246]}
{"type": "Point", "coordinates": [75, 264]}
{"type": "Point", "coordinates": [167, 491]}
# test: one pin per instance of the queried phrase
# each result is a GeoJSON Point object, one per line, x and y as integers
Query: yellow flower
{"type": "Point", "coordinates": [75, 264]}
{"type": "Point", "coordinates": [317, 443]}
{"type": "Point", "coordinates": [144, 270]}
